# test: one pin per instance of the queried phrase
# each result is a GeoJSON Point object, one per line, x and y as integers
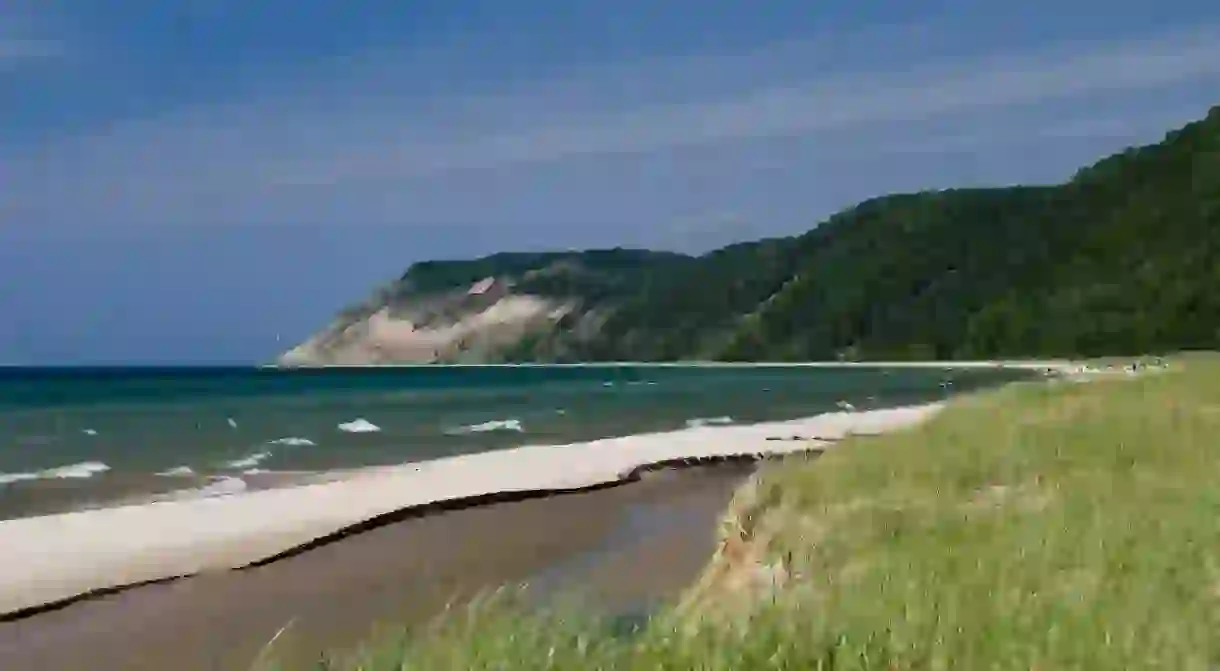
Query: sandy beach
{"type": "Point", "coordinates": [53, 558]}
{"type": "Point", "coordinates": [204, 583]}
{"type": "Point", "coordinates": [622, 546]}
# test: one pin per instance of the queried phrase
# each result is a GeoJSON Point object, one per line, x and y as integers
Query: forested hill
{"type": "Point", "coordinates": [1124, 258]}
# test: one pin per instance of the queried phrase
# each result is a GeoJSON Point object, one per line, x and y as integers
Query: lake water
{"type": "Point", "coordinates": [72, 437]}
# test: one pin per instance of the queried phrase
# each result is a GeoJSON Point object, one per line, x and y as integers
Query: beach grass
{"type": "Point", "coordinates": [1045, 525]}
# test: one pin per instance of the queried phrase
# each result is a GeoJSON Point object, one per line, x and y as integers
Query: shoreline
{"type": "Point", "coordinates": [61, 557]}
{"type": "Point", "coordinates": [622, 549]}
{"type": "Point", "coordinates": [1050, 365]}
{"type": "Point", "coordinates": [44, 498]}
{"type": "Point", "coordinates": [82, 469]}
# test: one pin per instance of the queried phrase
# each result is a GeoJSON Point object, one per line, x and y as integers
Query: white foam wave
{"type": "Point", "coordinates": [226, 485]}
{"type": "Point", "coordinates": [293, 441]}
{"type": "Point", "coordinates": [221, 486]}
{"type": "Point", "coordinates": [85, 469]}
{"type": "Point", "coordinates": [178, 472]}
{"type": "Point", "coordinates": [359, 425]}
{"type": "Point", "coordinates": [232, 423]}
{"type": "Point", "coordinates": [9, 478]}
{"type": "Point", "coordinates": [249, 461]}
{"type": "Point", "coordinates": [89, 432]}
{"type": "Point", "coordinates": [486, 427]}
{"type": "Point", "coordinates": [708, 421]}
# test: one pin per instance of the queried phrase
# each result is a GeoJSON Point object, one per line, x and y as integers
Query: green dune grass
{"type": "Point", "coordinates": [1046, 525]}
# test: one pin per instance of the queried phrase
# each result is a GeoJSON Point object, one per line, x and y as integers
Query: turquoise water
{"type": "Point", "coordinates": [91, 430]}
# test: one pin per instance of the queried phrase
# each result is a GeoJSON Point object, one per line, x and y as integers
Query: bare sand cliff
{"type": "Point", "coordinates": [470, 323]}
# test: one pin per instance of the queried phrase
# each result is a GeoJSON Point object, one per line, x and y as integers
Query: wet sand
{"type": "Point", "coordinates": [47, 497]}
{"type": "Point", "coordinates": [622, 546]}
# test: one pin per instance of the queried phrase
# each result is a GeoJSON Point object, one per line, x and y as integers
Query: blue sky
{"type": "Point", "coordinates": [186, 181]}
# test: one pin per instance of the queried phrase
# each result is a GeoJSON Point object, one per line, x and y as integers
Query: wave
{"type": "Point", "coordinates": [219, 486]}
{"type": "Point", "coordinates": [222, 487]}
{"type": "Point", "coordinates": [89, 432]}
{"type": "Point", "coordinates": [9, 478]}
{"type": "Point", "coordinates": [178, 472]}
{"type": "Point", "coordinates": [85, 469]}
{"type": "Point", "coordinates": [359, 425]}
{"type": "Point", "coordinates": [708, 421]}
{"type": "Point", "coordinates": [249, 461]}
{"type": "Point", "coordinates": [293, 441]}
{"type": "Point", "coordinates": [486, 427]}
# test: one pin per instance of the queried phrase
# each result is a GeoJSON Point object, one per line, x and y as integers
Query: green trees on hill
{"type": "Point", "coordinates": [1123, 258]}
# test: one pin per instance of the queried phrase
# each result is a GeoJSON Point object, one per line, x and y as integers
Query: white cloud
{"type": "Point", "coordinates": [279, 158]}
{"type": "Point", "coordinates": [831, 103]}
{"type": "Point", "coordinates": [838, 103]}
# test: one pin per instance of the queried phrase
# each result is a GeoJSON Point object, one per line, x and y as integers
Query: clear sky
{"type": "Point", "coordinates": [187, 180]}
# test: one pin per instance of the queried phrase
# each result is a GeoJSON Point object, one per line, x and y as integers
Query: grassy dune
{"type": "Point", "coordinates": [1041, 526]}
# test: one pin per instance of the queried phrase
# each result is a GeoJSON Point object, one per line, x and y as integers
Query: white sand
{"type": "Point", "coordinates": [45, 559]}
